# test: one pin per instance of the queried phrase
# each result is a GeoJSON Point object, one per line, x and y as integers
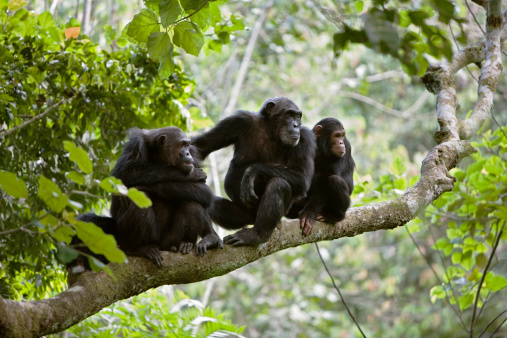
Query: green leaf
{"type": "Point", "coordinates": [192, 4]}
{"type": "Point", "coordinates": [112, 184]}
{"type": "Point", "coordinates": [63, 234]}
{"type": "Point", "coordinates": [358, 5]}
{"type": "Point", "coordinates": [188, 37]}
{"type": "Point", "coordinates": [143, 25]}
{"type": "Point", "coordinates": [14, 5]}
{"type": "Point", "coordinates": [169, 11]}
{"type": "Point", "coordinates": [398, 166]}
{"type": "Point", "coordinates": [46, 20]}
{"type": "Point", "coordinates": [109, 33]}
{"type": "Point", "coordinates": [481, 260]}
{"type": "Point", "coordinates": [66, 254]}
{"type": "Point", "coordinates": [201, 17]}
{"type": "Point", "coordinates": [494, 165]}
{"type": "Point", "coordinates": [400, 183]}
{"type": "Point", "coordinates": [51, 194]}
{"type": "Point", "coordinates": [166, 67]}
{"type": "Point", "coordinates": [445, 10]}
{"type": "Point", "coordinates": [79, 156]}
{"type": "Point", "coordinates": [437, 292]}
{"type": "Point", "coordinates": [441, 244]}
{"type": "Point", "coordinates": [495, 283]}
{"type": "Point", "coordinates": [467, 260]}
{"type": "Point", "coordinates": [456, 257]}
{"type": "Point", "coordinates": [139, 198]}
{"type": "Point", "coordinates": [381, 32]}
{"type": "Point", "coordinates": [465, 301]}
{"type": "Point", "coordinates": [13, 185]}
{"type": "Point", "coordinates": [159, 45]}
{"type": "Point", "coordinates": [99, 242]}
{"type": "Point", "coordinates": [76, 177]}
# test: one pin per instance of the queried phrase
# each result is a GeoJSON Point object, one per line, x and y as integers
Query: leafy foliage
{"type": "Point", "coordinates": [137, 317]}
{"type": "Point", "coordinates": [167, 24]}
{"type": "Point", "coordinates": [65, 104]}
{"type": "Point", "coordinates": [400, 29]}
{"type": "Point", "coordinates": [474, 217]}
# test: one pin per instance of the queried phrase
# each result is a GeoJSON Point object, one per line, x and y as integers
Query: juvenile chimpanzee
{"type": "Point", "coordinates": [158, 162]}
{"type": "Point", "coordinates": [332, 183]}
{"type": "Point", "coordinates": [271, 168]}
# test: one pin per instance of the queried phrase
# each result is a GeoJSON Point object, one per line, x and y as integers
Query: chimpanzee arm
{"type": "Point", "coordinates": [223, 134]}
{"type": "Point", "coordinates": [298, 172]}
{"type": "Point", "coordinates": [198, 192]}
{"type": "Point", "coordinates": [156, 173]}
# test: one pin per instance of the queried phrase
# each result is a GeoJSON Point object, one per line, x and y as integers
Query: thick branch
{"type": "Point", "coordinates": [440, 80]}
{"type": "Point", "coordinates": [489, 73]}
{"type": "Point", "coordinates": [91, 291]}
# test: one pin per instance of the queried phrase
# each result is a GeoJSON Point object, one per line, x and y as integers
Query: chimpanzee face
{"type": "Point", "coordinates": [175, 149]}
{"type": "Point", "coordinates": [290, 127]}
{"type": "Point", "coordinates": [337, 142]}
{"type": "Point", "coordinates": [284, 119]}
{"type": "Point", "coordinates": [331, 138]}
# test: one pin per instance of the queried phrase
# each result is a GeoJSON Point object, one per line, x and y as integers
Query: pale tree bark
{"type": "Point", "coordinates": [91, 291]}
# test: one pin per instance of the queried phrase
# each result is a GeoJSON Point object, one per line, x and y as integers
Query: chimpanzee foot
{"type": "Point", "coordinates": [208, 242]}
{"type": "Point", "coordinates": [151, 252]}
{"type": "Point", "coordinates": [247, 236]}
{"type": "Point", "coordinates": [186, 247]}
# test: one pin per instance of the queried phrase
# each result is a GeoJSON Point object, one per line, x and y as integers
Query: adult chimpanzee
{"type": "Point", "coordinates": [158, 162]}
{"type": "Point", "coordinates": [272, 167]}
{"type": "Point", "coordinates": [332, 183]}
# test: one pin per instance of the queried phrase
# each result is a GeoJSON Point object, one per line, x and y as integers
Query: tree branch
{"type": "Point", "coordinates": [33, 119]}
{"type": "Point", "coordinates": [92, 291]}
{"type": "Point", "coordinates": [440, 81]}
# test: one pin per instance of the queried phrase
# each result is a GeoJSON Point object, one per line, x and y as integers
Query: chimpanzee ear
{"type": "Point", "coordinates": [269, 108]}
{"type": "Point", "coordinates": [161, 140]}
{"type": "Point", "coordinates": [317, 129]}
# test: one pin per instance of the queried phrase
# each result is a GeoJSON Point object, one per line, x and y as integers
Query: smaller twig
{"type": "Point", "coordinates": [337, 289]}
{"type": "Point", "coordinates": [484, 273]}
{"type": "Point", "coordinates": [33, 119]}
{"type": "Point", "coordinates": [84, 193]}
{"type": "Point", "coordinates": [475, 19]}
{"type": "Point", "coordinates": [188, 16]}
{"type": "Point", "coordinates": [463, 326]}
{"type": "Point", "coordinates": [491, 322]}
{"type": "Point", "coordinates": [482, 3]}
{"type": "Point", "coordinates": [21, 228]}
{"type": "Point", "coordinates": [499, 326]}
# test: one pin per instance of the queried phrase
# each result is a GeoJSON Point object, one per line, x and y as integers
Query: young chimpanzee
{"type": "Point", "coordinates": [158, 162]}
{"type": "Point", "coordinates": [332, 183]}
{"type": "Point", "coordinates": [272, 167]}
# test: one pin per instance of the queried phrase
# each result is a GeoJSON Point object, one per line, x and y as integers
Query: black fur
{"type": "Point", "coordinates": [158, 162]}
{"type": "Point", "coordinates": [272, 167]}
{"type": "Point", "coordinates": [332, 183]}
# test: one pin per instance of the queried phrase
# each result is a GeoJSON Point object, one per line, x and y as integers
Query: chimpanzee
{"type": "Point", "coordinates": [272, 167]}
{"type": "Point", "coordinates": [332, 183]}
{"type": "Point", "coordinates": [158, 162]}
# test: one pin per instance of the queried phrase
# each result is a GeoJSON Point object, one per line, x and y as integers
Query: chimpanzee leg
{"type": "Point", "coordinates": [338, 201]}
{"type": "Point", "coordinates": [273, 205]}
{"type": "Point", "coordinates": [199, 222]}
{"type": "Point", "coordinates": [230, 215]}
{"type": "Point", "coordinates": [139, 232]}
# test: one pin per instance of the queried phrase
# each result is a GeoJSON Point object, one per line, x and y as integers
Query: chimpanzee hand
{"type": "Point", "coordinates": [247, 192]}
{"type": "Point", "coordinates": [151, 252]}
{"type": "Point", "coordinates": [208, 242]}
{"type": "Point", "coordinates": [198, 175]}
{"type": "Point", "coordinates": [306, 220]}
